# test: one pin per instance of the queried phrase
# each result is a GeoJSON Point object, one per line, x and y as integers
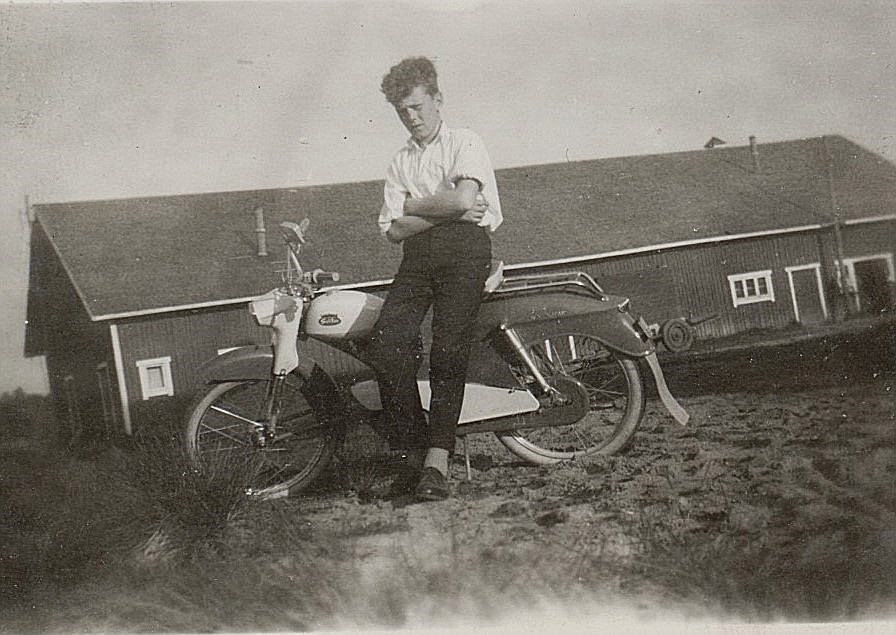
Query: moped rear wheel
{"type": "Point", "coordinates": [616, 394]}
{"type": "Point", "coordinates": [224, 432]}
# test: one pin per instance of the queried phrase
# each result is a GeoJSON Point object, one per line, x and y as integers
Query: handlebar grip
{"type": "Point", "coordinates": [319, 276]}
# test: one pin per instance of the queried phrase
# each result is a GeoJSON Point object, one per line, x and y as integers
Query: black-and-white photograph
{"type": "Point", "coordinates": [468, 316]}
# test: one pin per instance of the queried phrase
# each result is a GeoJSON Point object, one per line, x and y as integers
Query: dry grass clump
{"type": "Point", "coordinates": [70, 518]}
{"type": "Point", "coordinates": [190, 509]}
{"type": "Point", "coordinates": [812, 563]}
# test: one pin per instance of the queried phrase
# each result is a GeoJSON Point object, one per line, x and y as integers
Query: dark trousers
{"type": "Point", "coordinates": [444, 268]}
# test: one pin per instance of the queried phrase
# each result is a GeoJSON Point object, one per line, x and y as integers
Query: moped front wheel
{"type": "Point", "coordinates": [616, 400]}
{"type": "Point", "coordinates": [225, 431]}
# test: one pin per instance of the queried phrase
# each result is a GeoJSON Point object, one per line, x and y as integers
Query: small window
{"type": "Point", "coordinates": [747, 288]}
{"type": "Point", "coordinates": [155, 377]}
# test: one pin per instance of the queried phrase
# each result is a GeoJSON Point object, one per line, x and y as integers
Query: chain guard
{"type": "Point", "coordinates": [568, 407]}
{"type": "Point", "coordinates": [563, 409]}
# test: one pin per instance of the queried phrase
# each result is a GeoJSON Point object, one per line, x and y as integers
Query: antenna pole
{"type": "Point", "coordinates": [844, 284]}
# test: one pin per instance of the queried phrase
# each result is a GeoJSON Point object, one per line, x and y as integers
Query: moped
{"type": "Point", "coordinates": [555, 374]}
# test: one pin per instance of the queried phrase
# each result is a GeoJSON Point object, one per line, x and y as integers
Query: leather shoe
{"type": "Point", "coordinates": [405, 482]}
{"type": "Point", "coordinates": [433, 486]}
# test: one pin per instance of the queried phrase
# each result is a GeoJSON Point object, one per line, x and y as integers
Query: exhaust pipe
{"type": "Point", "coordinates": [260, 232]}
{"type": "Point", "coordinates": [754, 152]}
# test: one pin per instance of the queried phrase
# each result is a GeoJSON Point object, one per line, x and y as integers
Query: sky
{"type": "Point", "coordinates": [105, 100]}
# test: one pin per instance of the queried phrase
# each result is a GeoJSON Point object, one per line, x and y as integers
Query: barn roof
{"type": "Point", "coordinates": [144, 255]}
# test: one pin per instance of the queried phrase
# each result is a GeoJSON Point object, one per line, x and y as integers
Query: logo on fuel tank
{"type": "Point", "coordinates": [329, 319]}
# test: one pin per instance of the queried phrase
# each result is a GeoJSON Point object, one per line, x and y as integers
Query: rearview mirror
{"type": "Point", "coordinates": [294, 234]}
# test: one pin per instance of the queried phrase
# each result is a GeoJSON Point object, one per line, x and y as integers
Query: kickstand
{"type": "Point", "coordinates": [467, 459]}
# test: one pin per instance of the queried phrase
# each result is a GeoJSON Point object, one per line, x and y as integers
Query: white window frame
{"type": "Point", "coordinates": [851, 267]}
{"type": "Point", "coordinates": [852, 285]}
{"type": "Point", "coordinates": [742, 278]}
{"type": "Point", "coordinates": [167, 387]}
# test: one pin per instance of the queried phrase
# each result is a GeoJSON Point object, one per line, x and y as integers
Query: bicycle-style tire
{"type": "Point", "coordinates": [616, 394]}
{"type": "Point", "coordinates": [221, 433]}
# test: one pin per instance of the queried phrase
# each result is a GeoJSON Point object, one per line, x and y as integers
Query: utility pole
{"type": "Point", "coordinates": [844, 284]}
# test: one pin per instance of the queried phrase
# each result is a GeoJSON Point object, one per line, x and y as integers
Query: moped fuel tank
{"type": "Point", "coordinates": [342, 314]}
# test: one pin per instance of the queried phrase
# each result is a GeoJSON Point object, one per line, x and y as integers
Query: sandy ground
{"type": "Point", "coordinates": [778, 492]}
{"type": "Point", "coordinates": [777, 501]}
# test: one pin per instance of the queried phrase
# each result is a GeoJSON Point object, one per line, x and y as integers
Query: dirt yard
{"type": "Point", "coordinates": [776, 502]}
{"type": "Point", "coordinates": [799, 481]}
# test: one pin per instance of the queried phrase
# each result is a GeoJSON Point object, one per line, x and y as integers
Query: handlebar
{"type": "Point", "coordinates": [319, 276]}
{"type": "Point", "coordinates": [294, 277]}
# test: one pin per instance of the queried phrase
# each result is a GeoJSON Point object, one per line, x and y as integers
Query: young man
{"type": "Point", "coordinates": [441, 203]}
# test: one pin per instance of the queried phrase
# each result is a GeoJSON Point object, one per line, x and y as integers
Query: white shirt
{"type": "Point", "coordinates": [421, 171]}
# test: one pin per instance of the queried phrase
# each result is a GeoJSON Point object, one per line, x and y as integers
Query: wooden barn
{"type": "Point", "coordinates": [128, 297]}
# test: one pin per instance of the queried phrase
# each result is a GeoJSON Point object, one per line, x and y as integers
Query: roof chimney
{"type": "Point", "coordinates": [260, 233]}
{"type": "Point", "coordinates": [754, 152]}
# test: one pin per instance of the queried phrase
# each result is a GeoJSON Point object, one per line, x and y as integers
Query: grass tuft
{"type": "Point", "coordinates": [190, 508]}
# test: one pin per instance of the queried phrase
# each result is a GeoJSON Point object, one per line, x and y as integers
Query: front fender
{"type": "Point", "coordinates": [255, 363]}
{"type": "Point", "coordinates": [246, 362]}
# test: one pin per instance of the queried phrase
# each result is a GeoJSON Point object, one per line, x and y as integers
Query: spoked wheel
{"type": "Point", "coordinates": [615, 390]}
{"type": "Point", "coordinates": [225, 431]}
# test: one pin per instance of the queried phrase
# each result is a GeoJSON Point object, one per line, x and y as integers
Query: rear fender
{"type": "Point", "coordinates": [674, 408]}
{"type": "Point", "coordinates": [617, 330]}
{"type": "Point", "coordinates": [613, 327]}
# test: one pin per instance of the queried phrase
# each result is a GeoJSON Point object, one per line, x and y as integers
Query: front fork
{"type": "Point", "coordinates": [285, 318]}
{"type": "Point", "coordinates": [271, 410]}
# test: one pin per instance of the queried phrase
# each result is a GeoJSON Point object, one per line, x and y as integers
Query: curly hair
{"type": "Point", "coordinates": [405, 76]}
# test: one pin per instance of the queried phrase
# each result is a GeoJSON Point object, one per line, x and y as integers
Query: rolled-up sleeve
{"type": "Point", "coordinates": [394, 195]}
{"type": "Point", "coordinates": [471, 159]}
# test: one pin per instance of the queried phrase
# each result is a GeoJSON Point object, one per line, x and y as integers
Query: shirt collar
{"type": "Point", "coordinates": [441, 134]}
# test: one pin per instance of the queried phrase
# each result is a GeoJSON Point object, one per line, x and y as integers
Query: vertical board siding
{"type": "Point", "coordinates": [693, 281]}
{"type": "Point", "coordinates": [190, 338]}
{"type": "Point", "coordinates": [704, 274]}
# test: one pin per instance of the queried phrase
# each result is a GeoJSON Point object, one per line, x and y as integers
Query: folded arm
{"type": "Point", "coordinates": [407, 226]}
{"type": "Point", "coordinates": [463, 202]}
{"type": "Point", "coordinates": [446, 203]}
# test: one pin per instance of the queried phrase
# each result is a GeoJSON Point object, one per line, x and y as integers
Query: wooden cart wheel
{"type": "Point", "coordinates": [677, 335]}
